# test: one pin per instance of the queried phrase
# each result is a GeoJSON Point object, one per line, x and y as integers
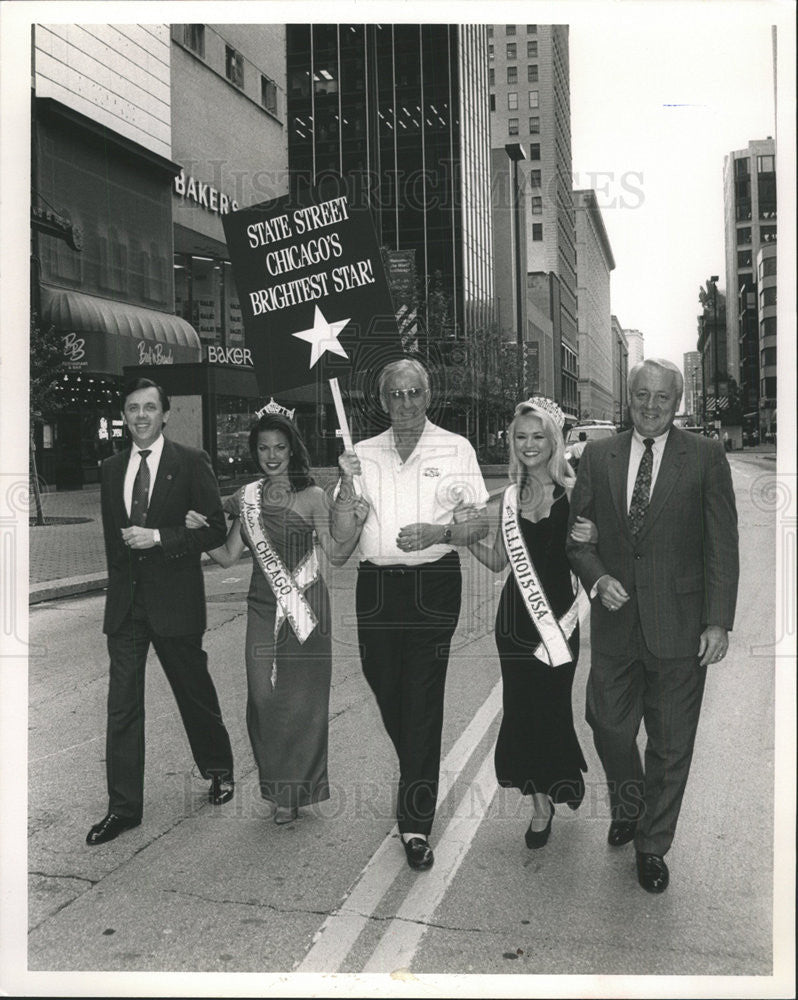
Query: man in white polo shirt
{"type": "Point", "coordinates": [414, 476]}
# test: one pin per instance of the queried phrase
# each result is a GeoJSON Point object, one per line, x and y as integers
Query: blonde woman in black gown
{"type": "Point", "coordinates": [537, 749]}
{"type": "Point", "coordinates": [280, 518]}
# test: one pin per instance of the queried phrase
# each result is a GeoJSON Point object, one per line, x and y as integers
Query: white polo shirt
{"type": "Point", "coordinates": [440, 474]}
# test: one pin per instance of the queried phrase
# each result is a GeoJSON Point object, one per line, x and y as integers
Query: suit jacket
{"type": "Point", "coordinates": [170, 574]}
{"type": "Point", "coordinates": [681, 573]}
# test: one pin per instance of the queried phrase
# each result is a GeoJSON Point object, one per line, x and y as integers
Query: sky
{"type": "Point", "coordinates": [657, 101]}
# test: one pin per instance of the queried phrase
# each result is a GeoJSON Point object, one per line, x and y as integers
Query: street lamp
{"type": "Point", "coordinates": [515, 152]}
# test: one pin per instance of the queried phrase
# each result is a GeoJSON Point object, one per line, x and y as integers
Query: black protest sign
{"type": "Point", "coordinates": [312, 289]}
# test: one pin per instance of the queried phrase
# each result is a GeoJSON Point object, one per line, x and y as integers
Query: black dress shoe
{"type": "Point", "coordinates": [221, 790]}
{"type": "Point", "coordinates": [537, 838]}
{"type": "Point", "coordinates": [109, 828]}
{"type": "Point", "coordinates": [652, 872]}
{"type": "Point", "coordinates": [419, 853]}
{"type": "Point", "coordinates": [621, 832]}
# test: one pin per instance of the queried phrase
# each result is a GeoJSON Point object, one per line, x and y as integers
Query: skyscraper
{"type": "Point", "coordinates": [399, 115]}
{"type": "Point", "coordinates": [531, 109]}
{"type": "Point", "coordinates": [749, 196]}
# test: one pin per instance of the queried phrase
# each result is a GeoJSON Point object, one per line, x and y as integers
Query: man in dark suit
{"type": "Point", "coordinates": [662, 579]}
{"type": "Point", "coordinates": [156, 595]}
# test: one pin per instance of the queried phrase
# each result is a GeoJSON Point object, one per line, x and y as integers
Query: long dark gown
{"type": "Point", "coordinates": [537, 750]}
{"type": "Point", "coordinates": [288, 722]}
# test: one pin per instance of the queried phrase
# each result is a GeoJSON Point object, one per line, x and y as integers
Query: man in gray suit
{"type": "Point", "coordinates": [662, 579]}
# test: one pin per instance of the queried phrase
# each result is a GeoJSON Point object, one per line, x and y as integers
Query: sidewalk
{"type": "Point", "coordinates": [69, 558]}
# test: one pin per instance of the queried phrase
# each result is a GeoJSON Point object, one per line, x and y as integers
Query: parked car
{"type": "Point", "coordinates": [579, 435]}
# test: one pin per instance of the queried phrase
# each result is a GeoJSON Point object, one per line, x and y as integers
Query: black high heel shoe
{"type": "Point", "coordinates": [538, 838]}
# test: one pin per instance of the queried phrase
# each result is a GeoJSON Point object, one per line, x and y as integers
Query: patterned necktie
{"type": "Point", "coordinates": [141, 492]}
{"type": "Point", "coordinates": [642, 490]}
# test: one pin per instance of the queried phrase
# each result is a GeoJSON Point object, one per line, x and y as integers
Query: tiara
{"type": "Point", "coordinates": [273, 407]}
{"type": "Point", "coordinates": [547, 406]}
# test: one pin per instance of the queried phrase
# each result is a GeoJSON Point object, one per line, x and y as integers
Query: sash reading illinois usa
{"type": "Point", "coordinates": [313, 293]}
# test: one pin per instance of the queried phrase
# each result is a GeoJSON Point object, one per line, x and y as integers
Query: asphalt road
{"type": "Point", "coordinates": [224, 890]}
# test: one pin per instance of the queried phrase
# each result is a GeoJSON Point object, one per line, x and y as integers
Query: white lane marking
{"type": "Point", "coordinates": [403, 934]}
{"type": "Point", "coordinates": [336, 936]}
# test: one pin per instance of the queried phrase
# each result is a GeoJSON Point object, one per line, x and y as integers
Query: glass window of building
{"type": "Point", "coordinates": [531, 29]}
{"type": "Point", "coordinates": [767, 297]}
{"type": "Point", "coordinates": [512, 126]}
{"type": "Point", "coordinates": [768, 356]}
{"type": "Point", "coordinates": [532, 73]}
{"type": "Point", "coordinates": [268, 94]}
{"type": "Point", "coordinates": [534, 178]}
{"type": "Point", "coordinates": [490, 31]}
{"type": "Point", "coordinates": [743, 258]}
{"type": "Point", "coordinates": [205, 296]}
{"type": "Point", "coordinates": [534, 151]}
{"type": "Point", "coordinates": [743, 235]}
{"type": "Point", "coordinates": [510, 29]}
{"type": "Point", "coordinates": [534, 98]}
{"type": "Point", "coordinates": [512, 74]}
{"type": "Point", "coordinates": [537, 204]}
{"type": "Point", "coordinates": [512, 50]}
{"type": "Point", "coordinates": [512, 101]}
{"type": "Point", "coordinates": [537, 231]}
{"type": "Point", "coordinates": [490, 50]}
{"type": "Point", "coordinates": [767, 234]}
{"type": "Point", "coordinates": [234, 66]}
{"type": "Point", "coordinates": [531, 50]}
{"type": "Point", "coordinates": [492, 102]}
{"type": "Point", "coordinates": [534, 126]}
{"type": "Point", "coordinates": [491, 76]}
{"type": "Point", "coordinates": [194, 38]}
{"type": "Point", "coordinates": [764, 164]}
{"type": "Point", "coordinates": [767, 267]}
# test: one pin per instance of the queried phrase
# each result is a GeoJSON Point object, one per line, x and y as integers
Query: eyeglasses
{"type": "Point", "coordinates": [412, 393]}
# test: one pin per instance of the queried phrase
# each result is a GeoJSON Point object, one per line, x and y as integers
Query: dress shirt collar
{"type": "Point", "coordinates": [659, 442]}
{"type": "Point", "coordinates": [154, 449]}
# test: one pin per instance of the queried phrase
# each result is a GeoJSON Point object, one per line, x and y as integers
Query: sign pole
{"type": "Point", "coordinates": [343, 423]}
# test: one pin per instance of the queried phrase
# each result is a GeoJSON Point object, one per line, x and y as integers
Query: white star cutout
{"type": "Point", "coordinates": [323, 336]}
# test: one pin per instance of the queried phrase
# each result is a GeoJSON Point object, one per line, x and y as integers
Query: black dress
{"type": "Point", "coordinates": [537, 750]}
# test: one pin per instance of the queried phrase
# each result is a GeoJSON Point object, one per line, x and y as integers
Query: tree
{"type": "Point", "coordinates": [46, 369]}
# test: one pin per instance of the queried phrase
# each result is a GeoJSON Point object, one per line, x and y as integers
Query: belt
{"type": "Point", "coordinates": [402, 569]}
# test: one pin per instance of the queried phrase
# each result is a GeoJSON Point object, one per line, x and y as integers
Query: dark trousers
{"type": "Point", "coordinates": [666, 694]}
{"type": "Point", "coordinates": [406, 618]}
{"type": "Point", "coordinates": [185, 664]}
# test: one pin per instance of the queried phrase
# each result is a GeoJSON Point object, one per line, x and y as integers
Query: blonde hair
{"type": "Point", "coordinates": [558, 467]}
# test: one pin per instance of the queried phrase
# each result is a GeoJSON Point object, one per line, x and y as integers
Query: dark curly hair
{"type": "Point", "coordinates": [299, 462]}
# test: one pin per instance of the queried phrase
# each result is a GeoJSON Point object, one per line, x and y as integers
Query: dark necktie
{"type": "Point", "coordinates": [141, 492]}
{"type": "Point", "coordinates": [642, 490]}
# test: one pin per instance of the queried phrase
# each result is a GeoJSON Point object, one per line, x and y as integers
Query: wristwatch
{"type": "Point", "coordinates": [447, 534]}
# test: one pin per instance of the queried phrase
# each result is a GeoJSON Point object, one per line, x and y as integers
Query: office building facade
{"type": "Point", "coordinates": [530, 114]}
{"type": "Point", "coordinates": [620, 371]}
{"type": "Point", "coordinates": [143, 136]}
{"type": "Point", "coordinates": [595, 263]}
{"type": "Point", "coordinates": [750, 222]}
{"type": "Point", "coordinates": [397, 116]}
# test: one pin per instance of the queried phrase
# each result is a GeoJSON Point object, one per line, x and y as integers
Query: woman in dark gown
{"type": "Point", "coordinates": [288, 680]}
{"type": "Point", "coordinates": [537, 749]}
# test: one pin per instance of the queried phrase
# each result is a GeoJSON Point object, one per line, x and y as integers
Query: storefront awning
{"type": "Point", "coordinates": [102, 335]}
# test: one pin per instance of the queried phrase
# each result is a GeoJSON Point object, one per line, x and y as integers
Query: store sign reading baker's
{"type": "Point", "coordinates": [205, 195]}
{"type": "Point", "coordinates": [312, 289]}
